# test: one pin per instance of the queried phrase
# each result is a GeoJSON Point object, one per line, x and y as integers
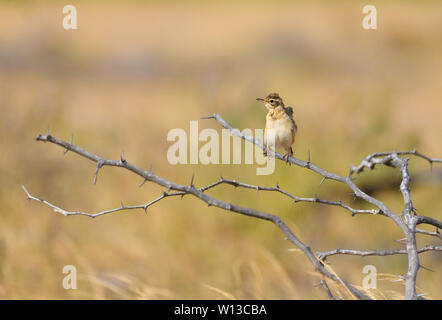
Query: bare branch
{"type": "Point", "coordinates": [94, 215]}
{"type": "Point", "coordinates": [318, 265]}
{"type": "Point", "coordinates": [390, 159]}
{"type": "Point", "coordinates": [324, 255]}
{"type": "Point", "coordinates": [428, 220]}
{"type": "Point", "coordinates": [309, 165]}
{"type": "Point", "coordinates": [410, 235]}
{"type": "Point", "coordinates": [296, 198]}
{"type": "Point", "coordinates": [430, 233]}
{"type": "Point", "coordinates": [372, 160]}
{"type": "Point", "coordinates": [406, 221]}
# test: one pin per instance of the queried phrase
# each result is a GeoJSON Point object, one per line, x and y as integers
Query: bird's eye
{"type": "Point", "coordinates": [271, 100]}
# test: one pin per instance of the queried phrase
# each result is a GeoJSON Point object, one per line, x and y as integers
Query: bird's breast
{"type": "Point", "coordinates": [279, 124]}
{"type": "Point", "coordinates": [280, 131]}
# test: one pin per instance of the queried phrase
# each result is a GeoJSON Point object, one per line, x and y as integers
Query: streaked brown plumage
{"type": "Point", "coordinates": [281, 128]}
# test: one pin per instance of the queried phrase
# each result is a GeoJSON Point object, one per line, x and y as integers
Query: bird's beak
{"type": "Point", "coordinates": [263, 100]}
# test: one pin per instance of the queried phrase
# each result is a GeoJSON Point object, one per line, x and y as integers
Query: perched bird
{"type": "Point", "coordinates": [280, 129]}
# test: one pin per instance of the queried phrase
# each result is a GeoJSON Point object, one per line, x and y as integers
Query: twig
{"type": "Point", "coordinates": [94, 215]}
{"type": "Point", "coordinates": [324, 255]}
{"type": "Point", "coordinates": [430, 233]}
{"type": "Point", "coordinates": [428, 220]}
{"type": "Point", "coordinates": [296, 198]}
{"type": "Point", "coordinates": [372, 160]}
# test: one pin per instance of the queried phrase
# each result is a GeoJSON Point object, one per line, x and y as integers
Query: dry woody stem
{"type": "Point", "coordinates": [407, 220]}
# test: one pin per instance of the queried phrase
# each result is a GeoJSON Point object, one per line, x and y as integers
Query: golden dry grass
{"type": "Point", "coordinates": [133, 71]}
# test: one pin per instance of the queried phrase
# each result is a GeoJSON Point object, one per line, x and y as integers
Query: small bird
{"type": "Point", "coordinates": [280, 129]}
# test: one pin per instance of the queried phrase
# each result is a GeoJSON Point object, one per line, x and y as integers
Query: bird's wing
{"type": "Point", "coordinates": [289, 111]}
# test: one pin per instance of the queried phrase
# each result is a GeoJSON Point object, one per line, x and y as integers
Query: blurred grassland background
{"type": "Point", "coordinates": [134, 70]}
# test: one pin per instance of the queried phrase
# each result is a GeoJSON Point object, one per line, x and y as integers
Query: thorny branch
{"type": "Point", "coordinates": [94, 215]}
{"type": "Point", "coordinates": [406, 221]}
{"type": "Point", "coordinates": [324, 255]}
{"type": "Point", "coordinates": [430, 233]}
{"type": "Point", "coordinates": [373, 159]}
{"type": "Point", "coordinates": [299, 199]}
{"type": "Point", "coordinates": [199, 193]}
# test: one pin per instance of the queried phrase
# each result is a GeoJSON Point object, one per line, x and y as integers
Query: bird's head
{"type": "Point", "coordinates": [273, 100]}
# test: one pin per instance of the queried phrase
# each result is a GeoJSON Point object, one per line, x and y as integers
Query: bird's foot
{"type": "Point", "coordinates": [265, 152]}
{"type": "Point", "coordinates": [286, 157]}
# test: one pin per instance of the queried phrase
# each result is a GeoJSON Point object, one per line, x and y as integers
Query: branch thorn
{"type": "Point", "coordinates": [208, 117]}
{"type": "Point", "coordinates": [142, 183]}
{"type": "Point", "coordinates": [99, 165]}
{"type": "Point", "coordinates": [421, 266]}
{"type": "Point", "coordinates": [72, 141]}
